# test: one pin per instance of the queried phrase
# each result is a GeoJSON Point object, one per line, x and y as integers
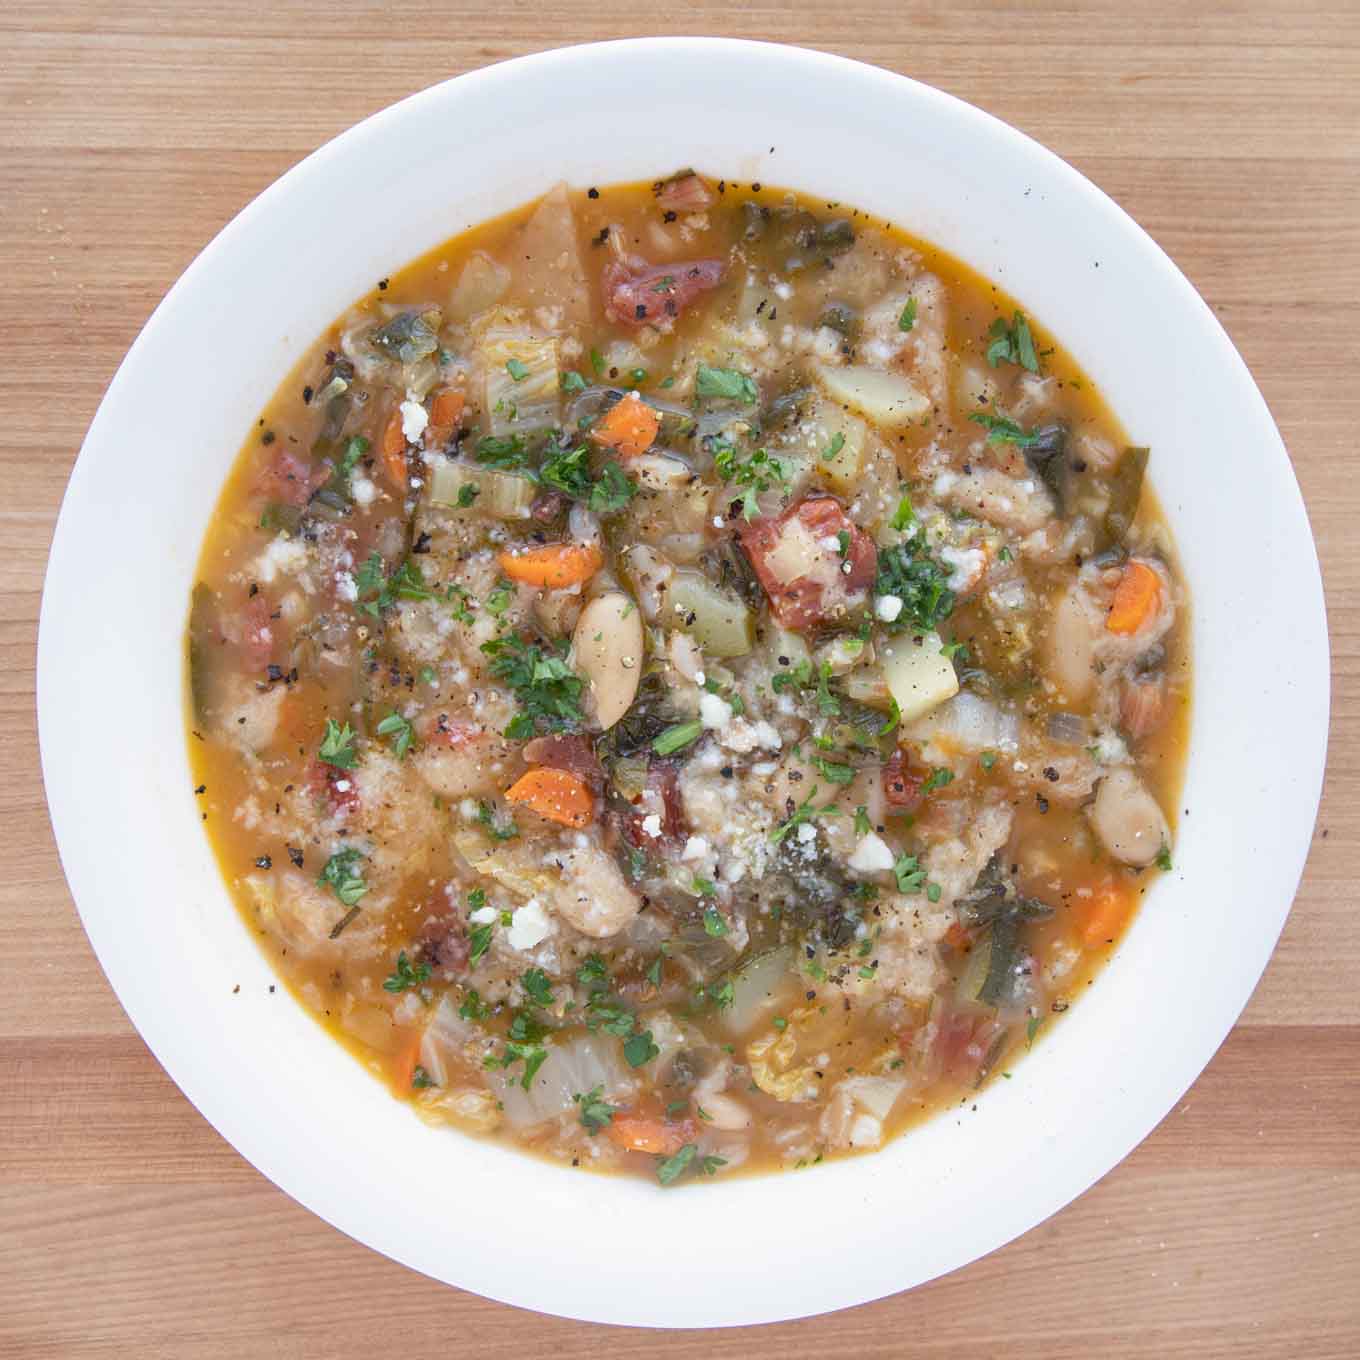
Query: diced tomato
{"type": "Point", "coordinates": [290, 478]}
{"type": "Point", "coordinates": [571, 751]}
{"type": "Point", "coordinates": [808, 570]}
{"type": "Point", "coordinates": [684, 193]}
{"type": "Point", "coordinates": [334, 786]}
{"type": "Point", "coordinates": [901, 784]}
{"type": "Point", "coordinates": [963, 1043]}
{"type": "Point", "coordinates": [662, 799]}
{"type": "Point", "coordinates": [257, 632]}
{"type": "Point", "coordinates": [641, 294]}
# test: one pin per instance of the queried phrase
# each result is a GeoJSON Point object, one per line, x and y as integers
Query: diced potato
{"type": "Point", "coordinates": [718, 622]}
{"type": "Point", "coordinates": [885, 398]}
{"type": "Point", "coordinates": [501, 495]}
{"type": "Point", "coordinates": [919, 675]}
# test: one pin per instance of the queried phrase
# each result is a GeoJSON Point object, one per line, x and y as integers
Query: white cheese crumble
{"type": "Point", "coordinates": [364, 491]}
{"type": "Point", "coordinates": [967, 563]}
{"type": "Point", "coordinates": [871, 855]}
{"type": "Point", "coordinates": [695, 848]}
{"type": "Point", "coordinates": [414, 419]}
{"type": "Point", "coordinates": [530, 925]}
{"type": "Point", "coordinates": [806, 832]}
{"type": "Point", "coordinates": [714, 712]}
{"type": "Point", "coordinates": [483, 916]}
{"type": "Point", "coordinates": [651, 825]}
{"type": "Point", "coordinates": [280, 557]}
{"type": "Point", "coordinates": [345, 588]}
{"type": "Point", "coordinates": [887, 608]}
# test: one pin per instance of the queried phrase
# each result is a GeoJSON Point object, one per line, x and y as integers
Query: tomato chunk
{"type": "Point", "coordinates": [813, 562]}
{"type": "Point", "coordinates": [291, 479]}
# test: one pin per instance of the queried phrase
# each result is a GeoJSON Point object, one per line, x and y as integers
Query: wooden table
{"type": "Point", "coordinates": [131, 132]}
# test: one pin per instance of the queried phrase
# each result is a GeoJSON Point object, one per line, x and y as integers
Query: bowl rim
{"type": "Point", "coordinates": [70, 808]}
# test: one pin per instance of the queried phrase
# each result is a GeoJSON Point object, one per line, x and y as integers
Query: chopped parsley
{"type": "Point", "coordinates": [987, 760]}
{"type": "Point", "coordinates": [399, 729]}
{"type": "Point", "coordinates": [407, 582]}
{"type": "Point", "coordinates": [568, 470]}
{"type": "Point", "coordinates": [548, 690]}
{"type": "Point", "coordinates": [754, 475]}
{"type": "Point", "coordinates": [863, 826]}
{"type": "Point", "coordinates": [523, 1044]}
{"type": "Point", "coordinates": [596, 1113]}
{"type": "Point", "coordinates": [537, 987]}
{"type": "Point", "coordinates": [341, 875]}
{"type": "Point", "coordinates": [904, 515]}
{"type": "Point", "coordinates": [670, 1169]}
{"type": "Point", "coordinates": [909, 874]}
{"type": "Point", "coordinates": [908, 317]}
{"type": "Point", "coordinates": [908, 571]}
{"type": "Point", "coordinates": [834, 771]}
{"type": "Point", "coordinates": [572, 382]}
{"type": "Point", "coordinates": [337, 746]}
{"type": "Point", "coordinates": [473, 1007]}
{"type": "Point", "coordinates": [467, 493]}
{"type": "Point", "coordinates": [505, 453]}
{"type": "Point", "coordinates": [516, 370]}
{"type": "Point", "coordinates": [639, 1049]}
{"type": "Point", "coordinates": [612, 490]}
{"type": "Point", "coordinates": [1003, 431]}
{"type": "Point", "coordinates": [714, 924]}
{"type": "Point", "coordinates": [936, 779]}
{"type": "Point", "coordinates": [420, 1078]}
{"type": "Point", "coordinates": [725, 383]}
{"type": "Point", "coordinates": [498, 828]}
{"type": "Point", "coordinates": [1164, 859]}
{"type": "Point", "coordinates": [593, 973]}
{"type": "Point", "coordinates": [1012, 344]}
{"type": "Point", "coordinates": [805, 812]}
{"type": "Point", "coordinates": [406, 975]}
{"type": "Point", "coordinates": [834, 447]}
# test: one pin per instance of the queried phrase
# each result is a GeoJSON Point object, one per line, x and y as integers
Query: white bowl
{"type": "Point", "coordinates": [110, 686]}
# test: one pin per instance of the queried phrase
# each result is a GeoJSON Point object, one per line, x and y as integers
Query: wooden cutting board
{"type": "Point", "coordinates": [131, 132]}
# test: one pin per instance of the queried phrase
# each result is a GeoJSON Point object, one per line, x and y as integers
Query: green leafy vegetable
{"type": "Point", "coordinates": [337, 746]}
{"type": "Point", "coordinates": [548, 690]}
{"type": "Point", "coordinates": [406, 975]}
{"type": "Point", "coordinates": [341, 875]}
{"type": "Point", "coordinates": [502, 452]}
{"type": "Point", "coordinates": [612, 490]}
{"type": "Point", "coordinates": [670, 1169]}
{"type": "Point", "coordinates": [399, 729]}
{"type": "Point", "coordinates": [908, 318]}
{"type": "Point", "coordinates": [639, 1049]}
{"type": "Point", "coordinates": [725, 383]}
{"type": "Point", "coordinates": [1003, 431]}
{"type": "Point", "coordinates": [1012, 344]}
{"type": "Point", "coordinates": [596, 1113]}
{"type": "Point", "coordinates": [537, 987]}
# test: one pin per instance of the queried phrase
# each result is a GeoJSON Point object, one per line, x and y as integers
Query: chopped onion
{"type": "Point", "coordinates": [1067, 729]}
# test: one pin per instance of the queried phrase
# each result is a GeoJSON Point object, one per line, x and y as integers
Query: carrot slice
{"type": "Point", "coordinates": [394, 450]}
{"type": "Point", "coordinates": [641, 1133]}
{"type": "Point", "coordinates": [629, 427]}
{"type": "Point", "coordinates": [1110, 910]}
{"type": "Point", "coordinates": [446, 410]}
{"type": "Point", "coordinates": [404, 1063]}
{"type": "Point", "coordinates": [1136, 598]}
{"type": "Point", "coordinates": [554, 566]}
{"type": "Point", "coordinates": [558, 795]}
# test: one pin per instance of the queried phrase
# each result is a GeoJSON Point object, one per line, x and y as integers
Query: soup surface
{"type": "Point", "coordinates": [685, 677]}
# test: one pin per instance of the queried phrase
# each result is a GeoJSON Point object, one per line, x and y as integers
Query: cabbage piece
{"type": "Point", "coordinates": [572, 1067]}
{"type": "Point", "coordinates": [759, 986]}
{"type": "Point", "coordinates": [521, 391]}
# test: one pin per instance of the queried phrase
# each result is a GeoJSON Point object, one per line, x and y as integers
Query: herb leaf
{"type": "Point", "coordinates": [725, 383]}
{"type": "Point", "coordinates": [670, 1169]}
{"type": "Point", "coordinates": [1004, 431]}
{"type": "Point", "coordinates": [548, 690]}
{"type": "Point", "coordinates": [908, 572]}
{"type": "Point", "coordinates": [337, 746]}
{"type": "Point", "coordinates": [341, 875]}
{"type": "Point", "coordinates": [677, 737]}
{"type": "Point", "coordinates": [398, 728]}
{"type": "Point", "coordinates": [1012, 344]}
{"type": "Point", "coordinates": [639, 1049]}
{"type": "Point", "coordinates": [596, 1113]}
{"type": "Point", "coordinates": [406, 976]}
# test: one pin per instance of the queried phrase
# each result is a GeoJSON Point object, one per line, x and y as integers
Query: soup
{"type": "Point", "coordinates": [687, 678]}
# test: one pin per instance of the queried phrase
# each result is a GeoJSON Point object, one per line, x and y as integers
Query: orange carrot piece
{"type": "Point", "coordinates": [1136, 598]}
{"type": "Point", "coordinates": [446, 410]}
{"type": "Point", "coordinates": [404, 1063]}
{"type": "Point", "coordinates": [641, 1133]}
{"type": "Point", "coordinates": [558, 795]}
{"type": "Point", "coordinates": [1110, 910]}
{"type": "Point", "coordinates": [394, 450]}
{"type": "Point", "coordinates": [553, 566]}
{"type": "Point", "coordinates": [629, 427]}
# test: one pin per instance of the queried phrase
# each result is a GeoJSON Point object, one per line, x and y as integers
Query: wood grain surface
{"type": "Point", "coordinates": [131, 132]}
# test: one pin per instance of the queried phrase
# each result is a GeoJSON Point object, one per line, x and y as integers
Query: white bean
{"type": "Point", "coordinates": [1126, 818]}
{"type": "Point", "coordinates": [608, 646]}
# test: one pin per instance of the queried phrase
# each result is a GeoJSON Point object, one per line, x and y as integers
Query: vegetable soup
{"type": "Point", "coordinates": [686, 677]}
